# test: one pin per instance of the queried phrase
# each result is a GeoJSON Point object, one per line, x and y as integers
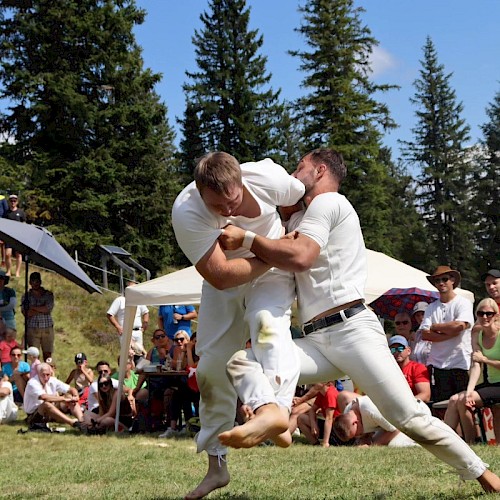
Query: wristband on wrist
{"type": "Point", "coordinates": [248, 240]}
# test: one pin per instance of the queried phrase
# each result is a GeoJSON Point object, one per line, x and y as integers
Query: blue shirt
{"type": "Point", "coordinates": [167, 313]}
{"type": "Point", "coordinates": [23, 367]}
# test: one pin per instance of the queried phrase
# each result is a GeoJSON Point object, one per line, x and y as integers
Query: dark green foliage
{"type": "Point", "coordinates": [446, 168]}
{"type": "Point", "coordinates": [340, 109]}
{"type": "Point", "coordinates": [487, 191]}
{"type": "Point", "coordinates": [228, 106]}
{"type": "Point", "coordinates": [86, 124]}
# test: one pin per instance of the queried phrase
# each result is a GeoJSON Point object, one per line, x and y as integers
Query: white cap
{"type": "Point", "coordinates": [419, 307]}
{"type": "Point", "coordinates": [32, 351]}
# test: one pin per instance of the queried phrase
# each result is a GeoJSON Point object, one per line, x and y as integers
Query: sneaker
{"type": "Point", "coordinates": [169, 433]}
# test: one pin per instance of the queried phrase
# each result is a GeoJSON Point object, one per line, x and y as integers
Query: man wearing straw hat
{"type": "Point", "coordinates": [447, 324]}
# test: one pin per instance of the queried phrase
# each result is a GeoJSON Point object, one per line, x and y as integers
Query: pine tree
{"type": "Point", "coordinates": [487, 191]}
{"type": "Point", "coordinates": [235, 112]}
{"type": "Point", "coordinates": [86, 124]}
{"type": "Point", "coordinates": [438, 149]}
{"type": "Point", "coordinates": [340, 110]}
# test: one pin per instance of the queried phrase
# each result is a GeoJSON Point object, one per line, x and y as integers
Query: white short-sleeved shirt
{"type": "Point", "coordinates": [454, 352]}
{"type": "Point", "coordinates": [34, 389]}
{"type": "Point", "coordinates": [371, 417]}
{"type": "Point", "coordinates": [117, 309]}
{"type": "Point", "coordinates": [338, 275]}
{"type": "Point", "coordinates": [196, 227]}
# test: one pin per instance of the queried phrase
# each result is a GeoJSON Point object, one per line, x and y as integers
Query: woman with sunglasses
{"type": "Point", "coordinates": [107, 396]}
{"type": "Point", "coordinates": [486, 352]}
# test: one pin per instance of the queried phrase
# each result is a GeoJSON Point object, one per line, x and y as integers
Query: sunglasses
{"type": "Point", "coordinates": [104, 384]}
{"type": "Point", "coordinates": [179, 339]}
{"type": "Point", "coordinates": [441, 280]}
{"type": "Point", "coordinates": [488, 314]}
{"type": "Point", "coordinates": [405, 322]}
{"type": "Point", "coordinates": [103, 372]}
{"type": "Point", "coordinates": [397, 349]}
{"type": "Point", "coordinates": [158, 337]}
{"type": "Point", "coordinates": [16, 355]}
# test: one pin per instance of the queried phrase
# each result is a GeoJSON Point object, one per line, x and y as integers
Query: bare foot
{"type": "Point", "coordinates": [269, 422]}
{"type": "Point", "coordinates": [490, 482]}
{"type": "Point", "coordinates": [217, 477]}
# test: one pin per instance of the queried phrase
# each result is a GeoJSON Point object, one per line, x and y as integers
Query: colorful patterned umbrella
{"type": "Point", "coordinates": [399, 300]}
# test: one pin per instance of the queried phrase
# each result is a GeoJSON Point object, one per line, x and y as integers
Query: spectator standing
{"type": "Point", "coordinates": [447, 324]}
{"type": "Point", "coordinates": [420, 348]}
{"type": "Point", "coordinates": [4, 206]}
{"type": "Point", "coordinates": [8, 303]}
{"type": "Point", "coordinates": [17, 214]}
{"type": "Point", "coordinates": [116, 316]}
{"type": "Point", "coordinates": [416, 374]}
{"type": "Point", "coordinates": [176, 317]}
{"type": "Point", "coordinates": [37, 306]}
{"type": "Point", "coordinates": [492, 284]}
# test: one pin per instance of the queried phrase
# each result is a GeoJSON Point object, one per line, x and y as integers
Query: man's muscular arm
{"type": "Point", "coordinates": [222, 273]}
{"type": "Point", "coordinates": [294, 252]}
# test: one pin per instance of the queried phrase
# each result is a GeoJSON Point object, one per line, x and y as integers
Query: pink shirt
{"type": "Point", "coordinates": [5, 348]}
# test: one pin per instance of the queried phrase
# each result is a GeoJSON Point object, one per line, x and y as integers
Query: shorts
{"type": "Point", "coordinates": [446, 383]}
{"type": "Point", "coordinates": [489, 394]}
{"type": "Point", "coordinates": [35, 418]}
{"type": "Point", "coordinates": [41, 338]}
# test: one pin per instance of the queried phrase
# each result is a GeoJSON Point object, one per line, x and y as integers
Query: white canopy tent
{"type": "Point", "coordinates": [184, 287]}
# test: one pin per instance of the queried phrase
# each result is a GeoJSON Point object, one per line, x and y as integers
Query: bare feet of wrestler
{"type": "Point", "coordinates": [217, 477]}
{"type": "Point", "coordinates": [490, 482]}
{"type": "Point", "coordinates": [269, 422]}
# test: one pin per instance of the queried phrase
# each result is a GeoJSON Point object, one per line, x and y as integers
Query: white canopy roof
{"type": "Point", "coordinates": [184, 286]}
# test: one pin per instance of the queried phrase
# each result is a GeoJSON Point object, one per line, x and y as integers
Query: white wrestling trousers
{"type": "Point", "coordinates": [358, 347]}
{"type": "Point", "coordinates": [259, 311]}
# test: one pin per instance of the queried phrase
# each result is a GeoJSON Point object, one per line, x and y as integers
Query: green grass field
{"type": "Point", "coordinates": [74, 466]}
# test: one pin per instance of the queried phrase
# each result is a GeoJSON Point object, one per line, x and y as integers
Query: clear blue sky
{"type": "Point", "coordinates": [465, 34]}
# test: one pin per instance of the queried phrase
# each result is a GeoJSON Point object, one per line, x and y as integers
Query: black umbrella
{"type": "Point", "coordinates": [39, 246]}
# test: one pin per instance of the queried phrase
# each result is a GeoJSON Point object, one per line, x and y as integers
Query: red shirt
{"type": "Point", "coordinates": [327, 400]}
{"type": "Point", "coordinates": [414, 373]}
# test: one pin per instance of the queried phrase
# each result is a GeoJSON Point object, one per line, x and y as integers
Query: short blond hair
{"type": "Point", "coordinates": [488, 302]}
{"type": "Point", "coordinates": [217, 171]}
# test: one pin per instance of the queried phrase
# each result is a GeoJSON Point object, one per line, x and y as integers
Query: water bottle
{"type": "Point", "coordinates": [179, 364]}
{"type": "Point", "coordinates": [168, 362]}
{"type": "Point", "coordinates": [174, 321]}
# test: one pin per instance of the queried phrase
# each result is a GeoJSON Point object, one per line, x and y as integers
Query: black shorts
{"type": "Point", "coordinates": [448, 382]}
{"type": "Point", "coordinates": [489, 393]}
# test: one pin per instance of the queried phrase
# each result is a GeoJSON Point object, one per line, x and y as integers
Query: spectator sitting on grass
{"type": "Point", "coordinates": [8, 409]}
{"type": "Point", "coordinates": [107, 397]}
{"type": "Point", "coordinates": [18, 372]}
{"type": "Point", "coordinates": [301, 405]}
{"type": "Point", "coordinates": [82, 376]}
{"type": "Point", "coordinates": [317, 430]}
{"type": "Point", "coordinates": [48, 399]}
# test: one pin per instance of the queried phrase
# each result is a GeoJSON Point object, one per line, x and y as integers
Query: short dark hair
{"type": "Point", "coordinates": [102, 363]}
{"type": "Point", "coordinates": [332, 159]}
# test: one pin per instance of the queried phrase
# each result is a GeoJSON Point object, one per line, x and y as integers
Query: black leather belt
{"type": "Point", "coordinates": [333, 319]}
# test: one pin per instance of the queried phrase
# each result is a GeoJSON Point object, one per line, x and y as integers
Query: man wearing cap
{"type": "Point", "coordinates": [17, 214]}
{"type": "Point", "coordinates": [447, 324]}
{"type": "Point", "coordinates": [416, 374]}
{"type": "Point", "coordinates": [37, 306]}
{"type": "Point", "coordinates": [492, 283]}
{"type": "Point", "coordinates": [420, 348]}
{"type": "Point", "coordinates": [33, 359]}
